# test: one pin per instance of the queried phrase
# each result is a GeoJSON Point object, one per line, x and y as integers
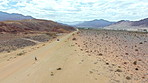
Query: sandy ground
{"type": "Point", "coordinates": [61, 61]}
{"type": "Point", "coordinates": [127, 51]}
{"type": "Point", "coordinates": [58, 62]}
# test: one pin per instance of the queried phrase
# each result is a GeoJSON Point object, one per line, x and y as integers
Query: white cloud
{"type": "Point", "coordinates": [77, 10]}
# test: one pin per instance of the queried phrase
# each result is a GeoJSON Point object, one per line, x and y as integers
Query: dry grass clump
{"type": "Point", "coordinates": [20, 54]}
{"type": "Point", "coordinates": [118, 70]}
{"type": "Point", "coordinates": [59, 68]}
{"type": "Point", "coordinates": [140, 43]}
{"type": "Point", "coordinates": [136, 69]}
{"type": "Point", "coordinates": [52, 74]}
{"type": "Point", "coordinates": [128, 78]}
{"type": "Point", "coordinates": [74, 39]}
{"type": "Point", "coordinates": [100, 54]}
{"type": "Point", "coordinates": [135, 62]}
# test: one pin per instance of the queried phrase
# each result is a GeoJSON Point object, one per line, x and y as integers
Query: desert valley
{"type": "Point", "coordinates": [40, 50]}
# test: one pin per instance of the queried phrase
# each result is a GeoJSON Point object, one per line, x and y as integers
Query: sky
{"type": "Point", "coordinates": [78, 10]}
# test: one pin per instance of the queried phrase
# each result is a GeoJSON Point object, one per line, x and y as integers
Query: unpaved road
{"type": "Point", "coordinates": [64, 61]}
{"type": "Point", "coordinates": [58, 62]}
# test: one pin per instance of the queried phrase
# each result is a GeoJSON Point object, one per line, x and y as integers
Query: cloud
{"type": "Point", "coordinates": [78, 10]}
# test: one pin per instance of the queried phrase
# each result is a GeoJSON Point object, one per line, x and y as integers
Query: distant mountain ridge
{"type": "Point", "coordinates": [70, 23]}
{"type": "Point", "coordinates": [129, 25]}
{"type": "Point", "coordinates": [94, 23]}
{"type": "Point", "coordinates": [143, 22]}
{"type": "Point", "coordinates": [13, 16]}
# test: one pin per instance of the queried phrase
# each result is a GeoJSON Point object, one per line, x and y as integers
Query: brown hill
{"type": "Point", "coordinates": [33, 25]}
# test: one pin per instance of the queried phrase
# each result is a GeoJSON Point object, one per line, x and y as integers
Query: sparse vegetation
{"type": "Point", "coordinates": [100, 54]}
{"type": "Point", "coordinates": [118, 70]}
{"type": "Point", "coordinates": [20, 54]}
{"type": "Point", "coordinates": [73, 38]}
{"type": "Point", "coordinates": [136, 69]}
{"type": "Point", "coordinates": [135, 62]}
{"type": "Point", "coordinates": [59, 68]}
{"type": "Point", "coordinates": [128, 78]}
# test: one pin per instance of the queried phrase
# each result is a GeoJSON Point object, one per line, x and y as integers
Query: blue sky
{"type": "Point", "coordinates": [78, 10]}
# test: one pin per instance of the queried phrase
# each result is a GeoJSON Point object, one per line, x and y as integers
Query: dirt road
{"type": "Point", "coordinates": [65, 61]}
{"type": "Point", "coordinates": [57, 62]}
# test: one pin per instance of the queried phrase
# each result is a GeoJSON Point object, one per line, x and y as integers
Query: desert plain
{"type": "Point", "coordinates": [83, 56]}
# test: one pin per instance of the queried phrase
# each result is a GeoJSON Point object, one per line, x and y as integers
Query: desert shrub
{"type": "Point", "coordinates": [59, 68]}
{"type": "Point", "coordinates": [73, 38]}
{"type": "Point", "coordinates": [20, 54]}
{"type": "Point", "coordinates": [118, 70]}
{"type": "Point", "coordinates": [128, 78]}
{"type": "Point", "coordinates": [135, 62]}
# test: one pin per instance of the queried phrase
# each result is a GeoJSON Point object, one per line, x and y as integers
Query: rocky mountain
{"type": "Point", "coordinates": [143, 23]}
{"type": "Point", "coordinates": [94, 24]}
{"type": "Point", "coordinates": [13, 16]}
{"type": "Point", "coordinates": [71, 23]}
{"type": "Point", "coordinates": [33, 25]}
{"type": "Point", "coordinates": [129, 25]}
